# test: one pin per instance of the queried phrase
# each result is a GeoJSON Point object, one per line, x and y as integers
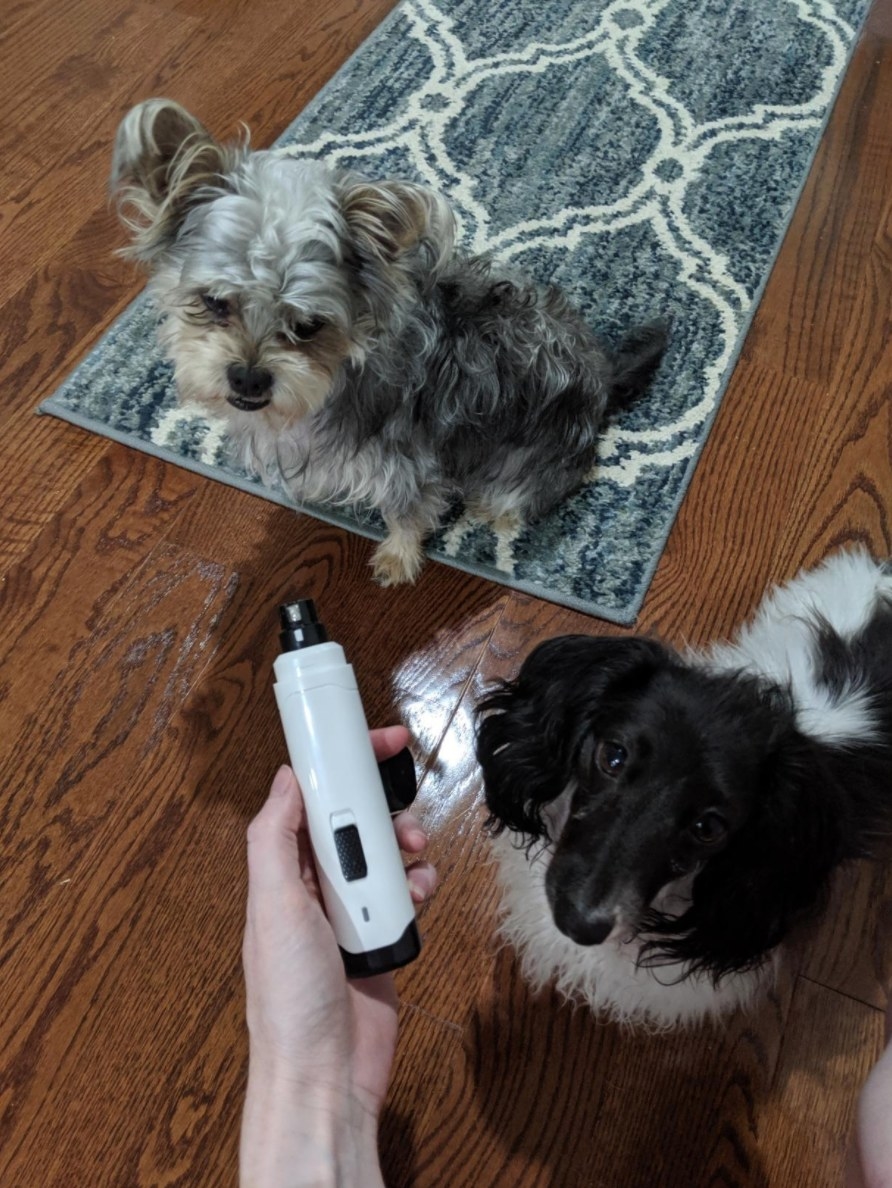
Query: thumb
{"type": "Point", "coordinates": [273, 855]}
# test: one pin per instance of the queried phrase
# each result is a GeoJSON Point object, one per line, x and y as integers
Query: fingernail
{"type": "Point", "coordinates": [417, 838]}
{"type": "Point", "coordinates": [422, 886]}
{"type": "Point", "coordinates": [281, 781]}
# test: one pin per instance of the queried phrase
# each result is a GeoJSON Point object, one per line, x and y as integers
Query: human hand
{"type": "Point", "coordinates": [870, 1153]}
{"type": "Point", "coordinates": [870, 1156]}
{"type": "Point", "coordinates": [321, 1047]}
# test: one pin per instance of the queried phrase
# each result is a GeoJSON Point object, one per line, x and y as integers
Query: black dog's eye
{"type": "Point", "coordinates": [218, 306]}
{"type": "Point", "coordinates": [709, 829]}
{"type": "Point", "coordinates": [611, 757]}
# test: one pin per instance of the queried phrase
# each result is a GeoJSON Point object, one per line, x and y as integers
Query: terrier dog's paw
{"type": "Point", "coordinates": [509, 523]}
{"type": "Point", "coordinates": [500, 518]}
{"type": "Point", "coordinates": [396, 561]}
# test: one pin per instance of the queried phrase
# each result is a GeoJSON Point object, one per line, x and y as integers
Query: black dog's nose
{"type": "Point", "coordinates": [248, 381]}
{"type": "Point", "coordinates": [594, 931]}
{"type": "Point", "coordinates": [584, 929]}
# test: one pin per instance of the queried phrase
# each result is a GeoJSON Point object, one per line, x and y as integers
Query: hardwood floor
{"type": "Point", "coordinates": [140, 732]}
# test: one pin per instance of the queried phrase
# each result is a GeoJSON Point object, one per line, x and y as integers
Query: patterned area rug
{"type": "Point", "coordinates": [645, 155]}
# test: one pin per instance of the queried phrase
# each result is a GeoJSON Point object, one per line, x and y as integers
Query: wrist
{"type": "Point", "coordinates": [297, 1133]}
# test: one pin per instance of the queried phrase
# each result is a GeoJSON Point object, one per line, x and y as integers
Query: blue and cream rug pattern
{"type": "Point", "coordinates": [645, 155]}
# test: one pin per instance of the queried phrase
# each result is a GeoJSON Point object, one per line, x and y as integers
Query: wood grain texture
{"type": "Point", "coordinates": [829, 1046]}
{"type": "Point", "coordinates": [137, 633]}
{"type": "Point", "coordinates": [799, 330]}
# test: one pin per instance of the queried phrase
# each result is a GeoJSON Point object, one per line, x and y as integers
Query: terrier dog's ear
{"type": "Point", "coordinates": [388, 219]}
{"type": "Point", "coordinates": [163, 158]}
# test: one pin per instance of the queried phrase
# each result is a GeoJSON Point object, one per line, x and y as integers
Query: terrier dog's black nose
{"type": "Point", "coordinates": [249, 382]}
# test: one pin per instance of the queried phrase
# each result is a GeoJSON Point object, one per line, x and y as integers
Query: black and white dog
{"type": "Point", "coordinates": [664, 821]}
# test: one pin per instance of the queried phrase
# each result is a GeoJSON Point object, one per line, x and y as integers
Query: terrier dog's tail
{"type": "Point", "coordinates": [636, 361]}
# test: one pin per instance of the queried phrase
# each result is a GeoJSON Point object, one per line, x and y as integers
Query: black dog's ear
{"type": "Point", "coordinates": [162, 159]}
{"type": "Point", "coordinates": [775, 873]}
{"type": "Point", "coordinates": [529, 729]}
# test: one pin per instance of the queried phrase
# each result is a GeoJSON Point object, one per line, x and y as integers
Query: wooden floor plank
{"type": "Point", "coordinates": [829, 1047]}
{"type": "Point", "coordinates": [850, 950]}
{"type": "Point", "coordinates": [45, 195]}
{"type": "Point", "coordinates": [42, 468]}
{"type": "Point", "coordinates": [800, 328]}
{"type": "Point", "coordinates": [79, 903]}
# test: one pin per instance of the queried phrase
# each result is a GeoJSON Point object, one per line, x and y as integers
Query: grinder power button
{"type": "Point", "coordinates": [350, 853]}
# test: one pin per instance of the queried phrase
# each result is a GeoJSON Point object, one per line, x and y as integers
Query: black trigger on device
{"type": "Point", "coordinates": [398, 778]}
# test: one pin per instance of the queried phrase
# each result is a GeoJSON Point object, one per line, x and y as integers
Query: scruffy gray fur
{"type": "Point", "coordinates": [352, 350]}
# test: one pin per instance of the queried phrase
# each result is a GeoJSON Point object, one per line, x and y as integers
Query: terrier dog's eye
{"type": "Point", "coordinates": [218, 306]}
{"type": "Point", "coordinates": [303, 331]}
{"type": "Point", "coordinates": [299, 330]}
{"type": "Point", "coordinates": [709, 829]}
{"type": "Point", "coordinates": [611, 757]}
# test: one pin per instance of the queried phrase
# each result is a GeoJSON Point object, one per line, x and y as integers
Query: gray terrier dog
{"type": "Point", "coordinates": [353, 352]}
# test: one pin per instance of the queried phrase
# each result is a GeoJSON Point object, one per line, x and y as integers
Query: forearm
{"type": "Point", "coordinates": [294, 1139]}
{"type": "Point", "coordinates": [871, 1162]}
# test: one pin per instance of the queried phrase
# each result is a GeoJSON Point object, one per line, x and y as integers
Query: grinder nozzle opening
{"type": "Point", "coordinates": [300, 625]}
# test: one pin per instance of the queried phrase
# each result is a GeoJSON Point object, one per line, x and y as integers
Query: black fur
{"type": "Point", "coordinates": [460, 388]}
